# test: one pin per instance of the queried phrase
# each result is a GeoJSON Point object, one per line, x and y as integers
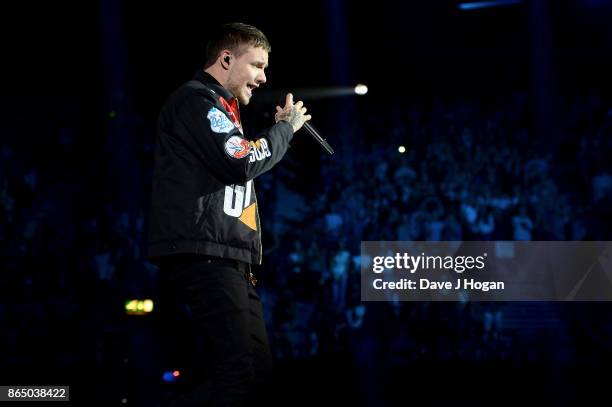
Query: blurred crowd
{"type": "Point", "coordinates": [72, 250]}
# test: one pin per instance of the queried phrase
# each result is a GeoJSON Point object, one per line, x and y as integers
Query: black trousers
{"type": "Point", "coordinates": [232, 362]}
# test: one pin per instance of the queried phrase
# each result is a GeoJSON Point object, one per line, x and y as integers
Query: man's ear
{"type": "Point", "coordinates": [225, 60]}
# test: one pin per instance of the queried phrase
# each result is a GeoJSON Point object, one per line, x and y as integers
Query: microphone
{"type": "Point", "coordinates": [315, 135]}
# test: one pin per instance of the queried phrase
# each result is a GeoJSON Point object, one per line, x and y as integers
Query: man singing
{"type": "Point", "coordinates": [204, 225]}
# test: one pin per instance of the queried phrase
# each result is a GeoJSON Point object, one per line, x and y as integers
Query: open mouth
{"type": "Point", "coordinates": [251, 87]}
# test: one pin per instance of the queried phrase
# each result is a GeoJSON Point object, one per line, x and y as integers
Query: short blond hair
{"type": "Point", "coordinates": [235, 37]}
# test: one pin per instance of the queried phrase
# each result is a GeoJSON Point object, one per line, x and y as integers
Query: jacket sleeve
{"type": "Point", "coordinates": [222, 148]}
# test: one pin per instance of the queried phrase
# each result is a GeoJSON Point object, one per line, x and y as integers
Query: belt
{"type": "Point", "coordinates": [240, 265]}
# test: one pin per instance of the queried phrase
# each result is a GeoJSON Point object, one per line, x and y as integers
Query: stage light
{"type": "Point", "coordinates": [401, 149]}
{"type": "Point", "coordinates": [486, 4]}
{"type": "Point", "coordinates": [171, 377]}
{"type": "Point", "coordinates": [138, 307]}
{"type": "Point", "coordinates": [361, 89]}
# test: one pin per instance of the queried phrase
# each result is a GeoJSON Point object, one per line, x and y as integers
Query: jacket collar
{"type": "Point", "coordinates": [208, 80]}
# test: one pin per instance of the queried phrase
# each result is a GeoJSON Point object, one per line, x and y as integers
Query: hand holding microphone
{"type": "Point", "coordinates": [297, 117]}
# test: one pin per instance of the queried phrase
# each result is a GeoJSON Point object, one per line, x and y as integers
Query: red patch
{"type": "Point", "coordinates": [232, 110]}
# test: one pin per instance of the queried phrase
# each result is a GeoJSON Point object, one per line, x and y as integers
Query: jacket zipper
{"type": "Point", "coordinates": [258, 224]}
{"type": "Point", "coordinates": [254, 194]}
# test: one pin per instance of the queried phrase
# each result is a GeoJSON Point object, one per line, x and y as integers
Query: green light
{"type": "Point", "coordinates": [138, 307]}
{"type": "Point", "coordinates": [112, 114]}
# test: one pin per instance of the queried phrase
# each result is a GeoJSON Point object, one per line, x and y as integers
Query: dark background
{"type": "Point", "coordinates": [505, 114]}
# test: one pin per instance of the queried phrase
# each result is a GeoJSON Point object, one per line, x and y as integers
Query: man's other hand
{"type": "Point", "coordinates": [294, 114]}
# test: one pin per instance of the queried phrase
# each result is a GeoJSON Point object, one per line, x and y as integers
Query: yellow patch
{"type": "Point", "coordinates": [248, 216]}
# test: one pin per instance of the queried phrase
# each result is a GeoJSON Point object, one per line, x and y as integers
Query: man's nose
{"type": "Point", "coordinates": [262, 78]}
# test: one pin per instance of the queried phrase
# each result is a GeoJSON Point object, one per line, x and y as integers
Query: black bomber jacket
{"type": "Point", "coordinates": [203, 196]}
